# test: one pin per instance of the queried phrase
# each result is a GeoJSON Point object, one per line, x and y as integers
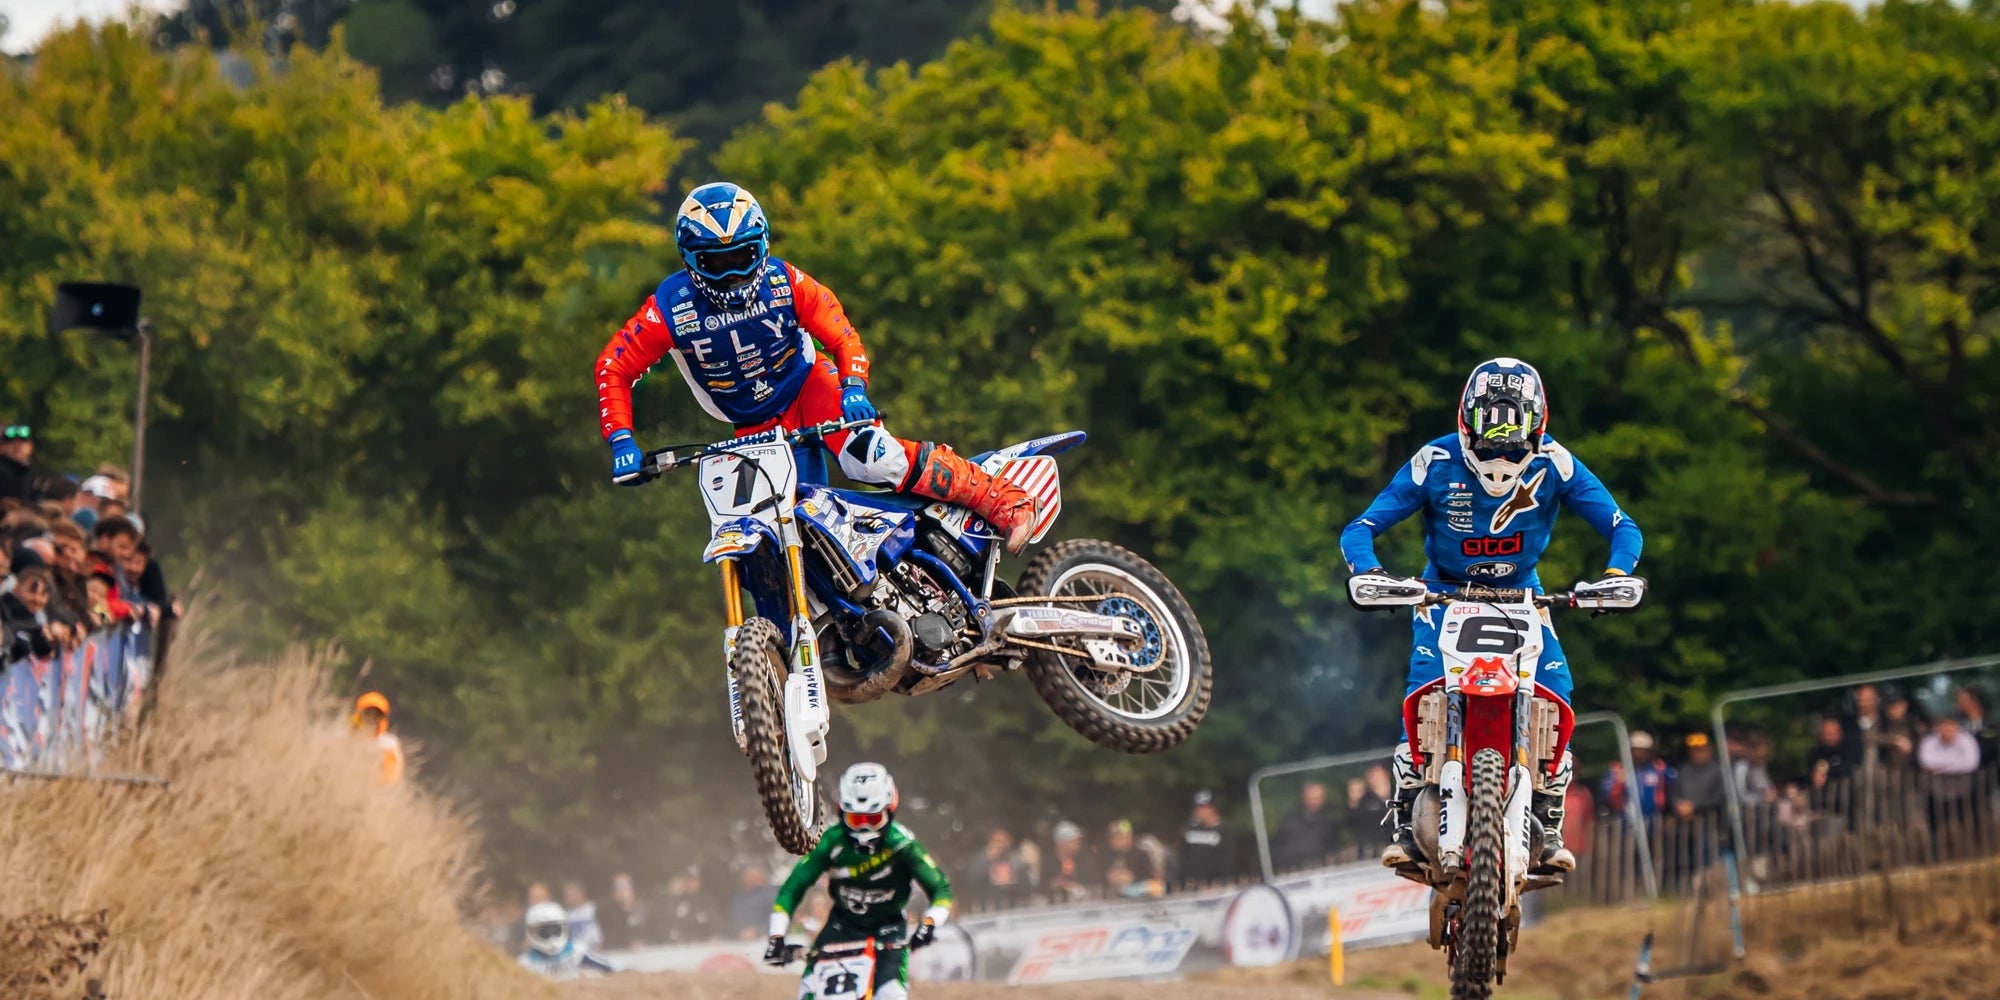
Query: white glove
{"type": "Point", "coordinates": [1615, 592]}
{"type": "Point", "coordinates": [1375, 590]}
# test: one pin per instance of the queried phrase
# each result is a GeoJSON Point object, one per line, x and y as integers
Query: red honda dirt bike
{"type": "Point", "coordinates": [1485, 735]}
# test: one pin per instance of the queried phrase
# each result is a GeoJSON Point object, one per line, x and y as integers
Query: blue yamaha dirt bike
{"type": "Point", "coordinates": [858, 593]}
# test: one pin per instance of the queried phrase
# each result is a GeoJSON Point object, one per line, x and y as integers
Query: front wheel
{"type": "Point", "coordinates": [790, 801]}
{"type": "Point", "coordinates": [1158, 702]}
{"type": "Point", "coordinates": [1476, 945]}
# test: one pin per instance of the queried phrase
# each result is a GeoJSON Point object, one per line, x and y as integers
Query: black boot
{"type": "Point", "coordinates": [1547, 804]}
{"type": "Point", "coordinates": [1402, 850]}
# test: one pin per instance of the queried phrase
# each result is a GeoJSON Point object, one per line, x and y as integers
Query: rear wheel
{"type": "Point", "coordinates": [1476, 946]}
{"type": "Point", "coordinates": [790, 802]}
{"type": "Point", "coordinates": [1159, 702]}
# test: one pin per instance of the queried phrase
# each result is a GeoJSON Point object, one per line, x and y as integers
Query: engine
{"type": "Point", "coordinates": [911, 619]}
{"type": "Point", "coordinates": [936, 617]}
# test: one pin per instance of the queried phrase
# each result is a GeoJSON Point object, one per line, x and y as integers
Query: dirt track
{"type": "Point", "coordinates": [1803, 946]}
{"type": "Point", "coordinates": [750, 986]}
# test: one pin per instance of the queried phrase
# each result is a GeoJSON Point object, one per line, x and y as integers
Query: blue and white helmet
{"type": "Point", "coordinates": [1502, 415]}
{"type": "Point", "coordinates": [724, 241]}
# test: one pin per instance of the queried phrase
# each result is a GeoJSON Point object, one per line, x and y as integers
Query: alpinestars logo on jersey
{"type": "Point", "coordinates": [1520, 503]}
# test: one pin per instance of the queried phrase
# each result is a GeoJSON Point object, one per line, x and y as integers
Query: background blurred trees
{"type": "Point", "coordinates": [1753, 248]}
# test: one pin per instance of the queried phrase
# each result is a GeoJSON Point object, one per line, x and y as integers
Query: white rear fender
{"type": "Point", "coordinates": [1038, 476]}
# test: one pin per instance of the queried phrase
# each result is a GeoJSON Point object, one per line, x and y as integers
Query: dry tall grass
{"type": "Point", "coordinates": [277, 867]}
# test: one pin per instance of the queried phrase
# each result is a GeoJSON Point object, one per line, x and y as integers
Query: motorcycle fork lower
{"type": "Point", "coordinates": [732, 613]}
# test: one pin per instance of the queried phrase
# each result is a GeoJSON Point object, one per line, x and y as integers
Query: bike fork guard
{"type": "Point", "coordinates": [806, 716]}
{"type": "Point", "coordinates": [1452, 802]}
{"type": "Point", "coordinates": [732, 605]}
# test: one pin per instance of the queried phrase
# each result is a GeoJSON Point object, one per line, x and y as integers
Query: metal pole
{"type": "Point", "coordinates": [136, 780]}
{"type": "Point", "coordinates": [1736, 836]}
{"type": "Point", "coordinates": [1633, 816]}
{"type": "Point", "coordinates": [1275, 770]}
{"type": "Point", "coordinates": [139, 413]}
{"type": "Point", "coordinates": [1617, 722]}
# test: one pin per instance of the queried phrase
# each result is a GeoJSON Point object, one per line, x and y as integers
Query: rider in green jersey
{"type": "Point", "coordinates": [871, 862]}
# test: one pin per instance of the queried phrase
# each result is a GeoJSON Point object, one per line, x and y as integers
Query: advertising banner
{"type": "Point", "coordinates": [1376, 906]}
{"type": "Point", "coordinates": [1256, 925]}
{"type": "Point", "coordinates": [56, 710]}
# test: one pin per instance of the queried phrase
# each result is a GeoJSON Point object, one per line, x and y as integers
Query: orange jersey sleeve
{"type": "Point", "coordinates": [637, 346]}
{"type": "Point", "coordinates": [823, 318]}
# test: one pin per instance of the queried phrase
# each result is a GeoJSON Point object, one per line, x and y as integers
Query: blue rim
{"type": "Point", "coordinates": [1154, 647]}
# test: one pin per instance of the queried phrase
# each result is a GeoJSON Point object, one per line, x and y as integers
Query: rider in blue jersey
{"type": "Point", "coordinates": [1489, 496]}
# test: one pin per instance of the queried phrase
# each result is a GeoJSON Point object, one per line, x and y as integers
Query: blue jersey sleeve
{"type": "Point", "coordinates": [1403, 496]}
{"type": "Point", "coordinates": [1584, 493]}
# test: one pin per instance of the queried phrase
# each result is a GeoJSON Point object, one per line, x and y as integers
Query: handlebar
{"type": "Point", "coordinates": [1374, 591]}
{"type": "Point", "coordinates": [794, 952]}
{"type": "Point", "coordinates": [1504, 595]}
{"type": "Point", "coordinates": [661, 461]}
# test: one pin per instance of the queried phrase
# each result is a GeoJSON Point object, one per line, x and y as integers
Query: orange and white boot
{"type": "Point", "coordinates": [941, 474]}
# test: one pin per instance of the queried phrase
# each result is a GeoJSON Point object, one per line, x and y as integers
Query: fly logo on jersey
{"type": "Point", "coordinates": [747, 355]}
{"type": "Point", "coordinates": [1520, 503]}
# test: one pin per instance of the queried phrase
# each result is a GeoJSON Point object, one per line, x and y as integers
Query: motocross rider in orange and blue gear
{"type": "Point", "coordinates": [762, 345]}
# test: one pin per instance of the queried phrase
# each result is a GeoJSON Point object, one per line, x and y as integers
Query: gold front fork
{"type": "Point", "coordinates": [732, 593]}
{"type": "Point", "coordinates": [800, 608]}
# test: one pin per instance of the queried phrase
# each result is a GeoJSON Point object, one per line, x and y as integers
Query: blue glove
{"type": "Point", "coordinates": [854, 404]}
{"type": "Point", "coordinates": [625, 459]}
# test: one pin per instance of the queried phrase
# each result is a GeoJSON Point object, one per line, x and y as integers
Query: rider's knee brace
{"type": "Point", "coordinates": [874, 456]}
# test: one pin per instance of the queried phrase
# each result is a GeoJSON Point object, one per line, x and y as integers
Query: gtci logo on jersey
{"type": "Point", "coordinates": [1488, 548]}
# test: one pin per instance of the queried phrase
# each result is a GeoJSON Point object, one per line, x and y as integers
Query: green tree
{"type": "Point", "coordinates": [1750, 246]}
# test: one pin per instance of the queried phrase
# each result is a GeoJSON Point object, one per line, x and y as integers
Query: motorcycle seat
{"type": "Point", "coordinates": [888, 499]}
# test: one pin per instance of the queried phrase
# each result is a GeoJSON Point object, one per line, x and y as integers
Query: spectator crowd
{"type": "Point", "coordinates": [707, 903]}
{"type": "Point", "coordinates": [1058, 860]}
{"type": "Point", "coordinates": [74, 558]}
{"type": "Point", "coordinates": [1880, 741]}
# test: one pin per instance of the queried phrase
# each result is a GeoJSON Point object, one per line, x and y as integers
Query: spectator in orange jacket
{"type": "Point", "coordinates": [371, 713]}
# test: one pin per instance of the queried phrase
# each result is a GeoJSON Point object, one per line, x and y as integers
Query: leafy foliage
{"type": "Point", "coordinates": [1751, 246]}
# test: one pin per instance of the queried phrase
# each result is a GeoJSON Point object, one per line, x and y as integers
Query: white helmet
{"type": "Point", "coordinates": [867, 801]}
{"type": "Point", "coordinates": [548, 928]}
{"type": "Point", "coordinates": [1502, 415]}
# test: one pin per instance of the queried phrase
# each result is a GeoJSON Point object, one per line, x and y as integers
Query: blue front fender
{"type": "Point", "coordinates": [739, 537]}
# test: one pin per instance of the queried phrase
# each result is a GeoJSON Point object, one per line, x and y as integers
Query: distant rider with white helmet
{"type": "Point", "coordinates": [1488, 496]}
{"type": "Point", "coordinates": [551, 953]}
{"type": "Point", "coordinates": [871, 863]}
